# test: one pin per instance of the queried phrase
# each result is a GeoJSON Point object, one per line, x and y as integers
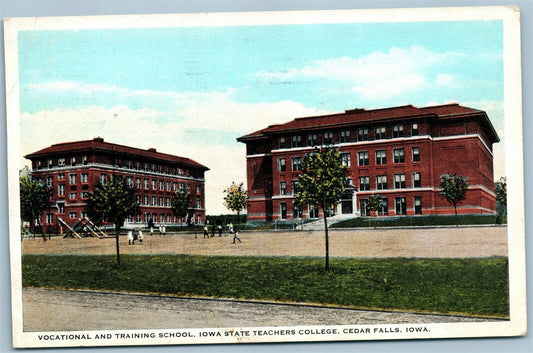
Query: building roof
{"type": "Point", "coordinates": [99, 145]}
{"type": "Point", "coordinates": [374, 116]}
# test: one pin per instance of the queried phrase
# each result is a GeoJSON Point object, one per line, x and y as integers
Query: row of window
{"type": "Point", "coordinates": [400, 206]}
{"type": "Point", "coordinates": [121, 163]}
{"type": "Point", "coordinates": [145, 200]}
{"type": "Point", "coordinates": [382, 182]}
{"type": "Point", "coordinates": [364, 183]}
{"type": "Point", "coordinates": [363, 158]}
{"type": "Point", "coordinates": [345, 136]}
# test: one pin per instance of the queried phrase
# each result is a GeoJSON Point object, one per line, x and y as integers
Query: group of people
{"type": "Point", "coordinates": [134, 235]}
{"type": "Point", "coordinates": [231, 231]}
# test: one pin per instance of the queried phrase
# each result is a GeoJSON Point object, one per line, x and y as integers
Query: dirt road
{"type": "Point", "coordinates": [417, 242]}
{"type": "Point", "coordinates": [111, 311]}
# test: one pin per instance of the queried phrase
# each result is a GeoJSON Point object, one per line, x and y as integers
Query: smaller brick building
{"type": "Point", "coordinates": [399, 153]}
{"type": "Point", "coordinates": [72, 170]}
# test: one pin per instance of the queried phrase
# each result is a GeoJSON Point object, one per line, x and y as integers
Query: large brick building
{"type": "Point", "coordinates": [72, 170]}
{"type": "Point", "coordinates": [399, 153]}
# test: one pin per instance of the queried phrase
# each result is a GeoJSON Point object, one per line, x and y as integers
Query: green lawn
{"type": "Point", "coordinates": [466, 286]}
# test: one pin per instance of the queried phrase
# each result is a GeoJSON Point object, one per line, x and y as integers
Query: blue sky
{"type": "Point", "coordinates": [192, 91]}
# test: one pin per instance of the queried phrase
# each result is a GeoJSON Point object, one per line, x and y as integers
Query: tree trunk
{"type": "Point", "coordinates": [117, 231]}
{"type": "Point", "coordinates": [41, 227]}
{"type": "Point", "coordinates": [327, 239]}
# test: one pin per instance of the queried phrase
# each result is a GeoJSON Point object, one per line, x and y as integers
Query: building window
{"type": "Point", "coordinates": [198, 189]}
{"type": "Point", "coordinates": [167, 202]}
{"type": "Point", "coordinates": [345, 136]}
{"type": "Point", "coordinates": [281, 165]}
{"type": "Point", "coordinates": [312, 140]}
{"type": "Point", "coordinates": [49, 218]}
{"type": "Point", "coordinates": [414, 129]}
{"type": "Point", "coordinates": [401, 208]}
{"type": "Point", "coordinates": [283, 188]}
{"type": "Point", "coordinates": [153, 199]}
{"type": "Point", "coordinates": [399, 181]}
{"type": "Point", "coordinates": [61, 190]}
{"type": "Point", "coordinates": [72, 178]}
{"type": "Point", "coordinates": [364, 183]}
{"type": "Point", "coordinates": [60, 207]}
{"type": "Point", "coordinates": [138, 183]}
{"type": "Point", "coordinates": [296, 212]}
{"type": "Point", "coordinates": [296, 163]}
{"type": "Point", "coordinates": [198, 202]}
{"type": "Point", "coordinates": [383, 209]}
{"type": "Point", "coordinates": [61, 162]}
{"type": "Point", "coordinates": [127, 163]}
{"type": "Point", "coordinates": [398, 155]}
{"type": "Point", "coordinates": [281, 142]}
{"type": "Point", "coordinates": [61, 176]}
{"type": "Point", "coordinates": [49, 163]}
{"type": "Point", "coordinates": [145, 184]}
{"type": "Point", "coordinates": [362, 134]}
{"type": "Point", "coordinates": [161, 201]}
{"type": "Point", "coordinates": [397, 131]}
{"type": "Point", "coordinates": [381, 157]}
{"type": "Point", "coordinates": [49, 180]}
{"type": "Point", "coordinates": [72, 196]}
{"type": "Point", "coordinates": [145, 200]}
{"type": "Point", "coordinates": [416, 180]}
{"type": "Point", "coordinates": [416, 154]}
{"type": "Point", "coordinates": [84, 177]}
{"type": "Point", "coordinates": [161, 185]}
{"type": "Point", "coordinates": [72, 214]}
{"type": "Point", "coordinates": [380, 133]}
{"type": "Point", "coordinates": [328, 138]}
{"type": "Point", "coordinates": [84, 194]}
{"type": "Point", "coordinates": [294, 186]}
{"type": "Point", "coordinates": [153, 182]}
{"type": "Point", "coordinates": [345, 159]}
{"type": "Point", "coordinates": [168, 186]}
{"type": "Point", "coordinates": [296, 141]}
{"type": "Point", "coordinates": [283, 210]}
{"type": "Point", "coordinates": [72, 160]}
{"type": "Point", "coordinates": [363, 207]}
{"type": "Point", "coordinates": [381, 182]}
{"type": "Point", "coordinates": [418, 205]}
{"type": "Point", "coordinates": [362, 158]}
{"type": "Point", "coordinates": [102, 178]}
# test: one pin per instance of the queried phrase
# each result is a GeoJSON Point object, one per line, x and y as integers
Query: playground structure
{"type": "Point", "coordinates": [82, 228]}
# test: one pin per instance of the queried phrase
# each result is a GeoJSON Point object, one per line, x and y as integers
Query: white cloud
{"type": "Point", "coordinates": [447, 80]}
{"type": "Point", "coordinates": [376, 75]}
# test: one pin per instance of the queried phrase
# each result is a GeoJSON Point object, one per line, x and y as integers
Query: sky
{"type": "Point", "coordinates": [191, 91]}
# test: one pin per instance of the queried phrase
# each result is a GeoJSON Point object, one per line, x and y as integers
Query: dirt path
{"type": "Point", "coordinates": [109, 311]}
{"type": "Point", "coordinates": [417, 242]}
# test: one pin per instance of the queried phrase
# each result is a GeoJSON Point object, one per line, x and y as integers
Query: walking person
{"type": "Point", "coordinates": [130, 237]}
{"type": "Point", "coordinates": [141, 237]}
{"type": "Point", "coordinates": [236, 237]}
{"type": "Point", "coordinates": [206, 232]}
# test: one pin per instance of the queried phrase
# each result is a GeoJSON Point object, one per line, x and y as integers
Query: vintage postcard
{"type": "Point", "coordinates": [265, 177]}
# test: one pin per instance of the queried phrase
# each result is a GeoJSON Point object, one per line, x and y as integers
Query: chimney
{"type": "Point", "coordinates": [152, 150]}
{"type": "Point", "coordinates": [98, 139]}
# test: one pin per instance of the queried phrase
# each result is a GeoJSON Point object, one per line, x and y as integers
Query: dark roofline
{"type": "Point", "coordinates": [98, 144]}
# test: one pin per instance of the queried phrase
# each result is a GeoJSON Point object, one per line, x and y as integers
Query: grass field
{"type": "Point", "coordinates": [466, 286]}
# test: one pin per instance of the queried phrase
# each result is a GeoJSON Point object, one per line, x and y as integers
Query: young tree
{"type": "Point", "coordinates": [235, 199]}
{"type": "Point", "coordinates": [322, 183]}
{"type": "Point", "coordinates": [374, 203]}
{"type": "Point", "coordinates": [453, 188]}
{"type": "Point", "coordinates": [501, 191]}
{"type": "Point", "coordinates": [180, 204]}
{"type": "Point", "coordinates": [34, 198]}
{"type": "Point", "coordinates": [113, 201]}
